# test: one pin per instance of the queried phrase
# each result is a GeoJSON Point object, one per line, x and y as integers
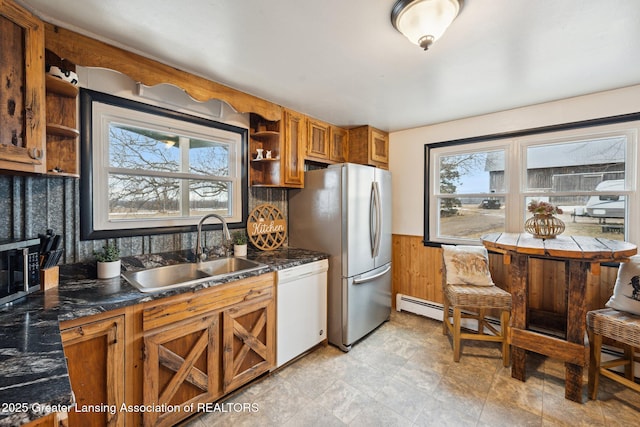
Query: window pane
{"type": "Point", "coordinates": [209, 197]}
{"type": "Point", "coordinates": [467, 173]}
{"type": "Point", "coordinates": [152, 167]}
{"type": "Point", "coordinates": [137, 148]}
{"type": "Point", "coordinates": [575, 166]}
{"type": "Point", "coordinates": [597, 216]}
{"type": "Point", "coordinates": [208, 158]}
{"type": "Point", "coordinates": [594, 165]}
{"type": "Point", "coordinates": [138, 197]}
{"type": "Point", "coordinates": [470, 218]}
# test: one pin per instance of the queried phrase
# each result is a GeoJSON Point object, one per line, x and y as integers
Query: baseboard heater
{"type": "Point", "coordinates": [433, 310]}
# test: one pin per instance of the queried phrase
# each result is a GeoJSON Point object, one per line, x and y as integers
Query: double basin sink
{"type": "Point", "coordinates": [158, 279]}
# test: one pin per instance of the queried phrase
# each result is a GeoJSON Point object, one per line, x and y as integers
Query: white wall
{"type": "Point", "coordinates": [406, 148]}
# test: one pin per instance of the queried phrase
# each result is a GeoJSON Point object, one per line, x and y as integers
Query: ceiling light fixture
{"type": "Point", "coordinates": [424, 21]}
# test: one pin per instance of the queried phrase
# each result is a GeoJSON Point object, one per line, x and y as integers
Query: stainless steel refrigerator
{"type": "Point", "coordinates": [345, 211]}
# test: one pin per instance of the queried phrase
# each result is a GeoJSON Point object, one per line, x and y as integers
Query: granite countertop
{"type": "Point", "coordinates": [34, 380]}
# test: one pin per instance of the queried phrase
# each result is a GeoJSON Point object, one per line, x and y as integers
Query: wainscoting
{"type": "Point", "coordinates": [417, 273]}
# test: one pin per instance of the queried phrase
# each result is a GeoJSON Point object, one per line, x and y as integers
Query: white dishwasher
{"type": "Point", "coordinates": [302, 309]}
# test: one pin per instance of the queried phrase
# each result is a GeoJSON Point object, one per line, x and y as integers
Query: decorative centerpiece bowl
{"type": "Point", "coordinates": [544, 224]}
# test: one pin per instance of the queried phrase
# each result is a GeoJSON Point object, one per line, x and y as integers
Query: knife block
{"type": "Point", "coordinates": [49, 278]}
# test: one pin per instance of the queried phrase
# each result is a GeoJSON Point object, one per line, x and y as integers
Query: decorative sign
{"type": "Point", "coordinates": [266, 227]}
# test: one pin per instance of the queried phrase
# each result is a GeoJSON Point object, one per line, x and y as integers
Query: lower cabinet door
{"type": "Point", "coordinates": [181, 369]}
{"type": "Point", "coordinates": [55, 419]}
{"type": "Point", "coordinates": [249, 342]}
{"type": "Point", "coordinates": [95, 358]}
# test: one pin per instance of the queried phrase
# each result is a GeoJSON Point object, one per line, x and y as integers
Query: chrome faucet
{"type": "Point", "coordinates": [200, 255]}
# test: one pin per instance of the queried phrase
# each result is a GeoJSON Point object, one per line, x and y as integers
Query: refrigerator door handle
{"type": "Point", "coordinates": [373, 213]}
{"type": "Point", "coordinates": [371, 278]}
{"type": "Point", "coordinates": [378, 206]}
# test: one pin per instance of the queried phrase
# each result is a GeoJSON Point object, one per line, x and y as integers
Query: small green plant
{"type": "Point", "coordinates": [239, 238]}
{"type": "Point", "coordinates": [109, 253]}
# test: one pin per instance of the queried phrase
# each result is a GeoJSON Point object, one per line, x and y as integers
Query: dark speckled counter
{"type": "Point", "coordinates": [33, 372]}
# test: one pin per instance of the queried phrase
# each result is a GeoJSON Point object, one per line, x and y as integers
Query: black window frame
{"type": "Point", "coordinates": [630, 117]}
{"type": "Point", "coordinates": [87, 231]}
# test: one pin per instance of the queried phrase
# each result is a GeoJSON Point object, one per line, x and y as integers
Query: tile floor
{"type": "Point", "coordinates": [403, 375]}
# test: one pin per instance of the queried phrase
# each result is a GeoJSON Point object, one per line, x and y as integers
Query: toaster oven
{"type": "Point", "coordinates": [19, 268]}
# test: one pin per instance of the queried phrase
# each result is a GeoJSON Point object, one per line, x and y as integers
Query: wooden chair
{"type": "Point", "coordinates": [622, 327]}
{"type": "Point", "coordinates": [466, 301]}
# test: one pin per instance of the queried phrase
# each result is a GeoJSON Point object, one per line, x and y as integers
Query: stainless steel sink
{"type": "Point", "coordinates": [178, 275]}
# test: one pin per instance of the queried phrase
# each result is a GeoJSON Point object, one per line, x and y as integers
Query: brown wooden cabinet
{"type": "Point", "coordinates": [181, 367]}
{"type": "Point", "coordinates": [264, 153]}
{"type": "Point", "coordinates": [339, 145]}
{"type": "Point", "coordinates": [95, 359]}
{"type": "Point", "coordinates": [22, 103]}
{"type": "Point", "coordinates": [294, 130]}
{"type": "Point", "coordinates": [318, 133]}
{"type": "Point", "coordinates": [369, 146]}
{"type": "Point", "coordinates": [248, 342]}
{"type": "Point", "coordinates": [276, 151]}
{"type": "Point", "coordinates": [55, 419]}
{"type": "Point", "coordinates": [199, 346]}
{"type": "Point", "coordinates": [190, 348]}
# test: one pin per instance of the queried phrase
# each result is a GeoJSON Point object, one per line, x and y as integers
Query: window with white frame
{"type": "Point", "coordinates": [484, 185]}
{"type": "Point", "coordinates": [154, 170]}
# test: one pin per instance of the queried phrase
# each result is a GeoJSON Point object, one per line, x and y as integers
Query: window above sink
{"type": "Point", "coordinates": [151, 170]}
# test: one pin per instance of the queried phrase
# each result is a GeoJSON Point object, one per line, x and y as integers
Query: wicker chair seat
{"type": "Point", "coordinates": [622, 327]}
{"type": "Point", "coordinates": [619, 325]}
{"type": "Point", "coordinates": [477, 296]}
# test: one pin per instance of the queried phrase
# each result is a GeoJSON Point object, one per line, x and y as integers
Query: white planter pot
{"type": "Point", "coordinates": [240, 250]}
{"type": "Point", "coordinates": [107, 270]}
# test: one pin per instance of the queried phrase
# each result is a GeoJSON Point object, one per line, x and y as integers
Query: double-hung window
{"type": "Point", "coordinates": [484, 185]}
{"type": "Point", "coordinates": [155, 170]}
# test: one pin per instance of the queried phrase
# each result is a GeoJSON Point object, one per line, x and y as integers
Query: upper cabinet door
{"type": "Point", "coordinates": [339, 145]}
{"type": "Point", "coordinates": [379, 147]}
{"type": "Point", "coordinates": [369, 146]}
{"type": "Point", "coordinates": [22, 106]}
{"type": "Point", "coordinates": [294, 133]}
{"type": "Point", "coordinates": [317, 140]}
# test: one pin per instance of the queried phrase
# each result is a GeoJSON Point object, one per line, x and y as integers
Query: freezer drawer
{"type": "Point", "coordinates": [367, 304]}
{"type": "Point", "coordinates": [301, 309]}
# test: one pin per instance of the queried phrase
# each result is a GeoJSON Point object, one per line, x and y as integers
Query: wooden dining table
{"type": "Point", "coordinates": [580, 254]}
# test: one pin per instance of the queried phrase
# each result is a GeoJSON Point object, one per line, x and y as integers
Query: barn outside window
{"type": "Point", "coordinates": [483, 185]}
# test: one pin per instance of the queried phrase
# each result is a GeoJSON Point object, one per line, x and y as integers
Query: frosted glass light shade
{"type": "Point", "coordinates": [424, 21]}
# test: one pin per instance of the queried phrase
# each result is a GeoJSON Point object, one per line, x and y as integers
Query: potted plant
{"type": "Point", "coordinates": [108, 261]}
{"type": "Point", "coordinates": [239, 243]}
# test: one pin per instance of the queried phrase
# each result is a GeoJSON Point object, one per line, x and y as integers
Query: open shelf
{"type": "Point", "coordinates": [61, 130]}
{"type": "Point", "coordinates": [266, 160]}
{"type": "Point", "coordinates": [265, 134]}
{"type": "Point", "coordinates": [60, 87]}
{"type": "Point", "coordinates": [61, 126]}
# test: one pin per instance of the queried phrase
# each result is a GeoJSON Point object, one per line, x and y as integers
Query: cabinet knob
{"type": "Point", "coordinates": [35, 153]}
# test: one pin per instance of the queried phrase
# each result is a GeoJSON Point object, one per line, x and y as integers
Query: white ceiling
{"type": "Point", "coordinates": [342, 61]}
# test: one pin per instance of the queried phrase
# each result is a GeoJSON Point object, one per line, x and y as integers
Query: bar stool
{"type": "Point", "coordinates": [462, 266]}
{"type": "Point", "coordinates": [619, 326]}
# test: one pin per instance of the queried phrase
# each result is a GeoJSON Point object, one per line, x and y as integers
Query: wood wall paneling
{"type": "Point", "coordinates": [417, 273]}
{"type": "Point", "coordinates": [416, 269]}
